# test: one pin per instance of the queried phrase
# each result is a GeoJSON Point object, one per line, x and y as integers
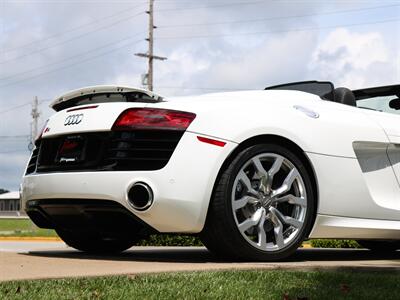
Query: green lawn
{"type": "Point", "coordinates": [216, 285]}
{"type": "Point", "coordinates": [23, 227]}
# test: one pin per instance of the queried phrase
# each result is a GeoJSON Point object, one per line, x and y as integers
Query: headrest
{"type": "Point", "coordinates": [344, 96]}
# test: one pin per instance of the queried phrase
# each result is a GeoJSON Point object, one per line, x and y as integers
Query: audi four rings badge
{"type": "Point", "coordinates": [73, 120]}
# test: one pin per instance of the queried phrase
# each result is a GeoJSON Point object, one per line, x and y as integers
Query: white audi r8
{"type": "Point", "coordinates": [253, 173]}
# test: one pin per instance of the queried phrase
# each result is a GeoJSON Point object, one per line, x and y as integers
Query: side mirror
{"type": "Point", "coordinates": [394, 103]}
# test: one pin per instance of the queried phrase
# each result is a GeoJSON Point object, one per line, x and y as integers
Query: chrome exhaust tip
{"type": "Point", "coordinates": [140, 196]}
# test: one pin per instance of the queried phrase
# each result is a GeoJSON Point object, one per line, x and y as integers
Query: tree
{"type": "Point", "coordinates": [3, 191]}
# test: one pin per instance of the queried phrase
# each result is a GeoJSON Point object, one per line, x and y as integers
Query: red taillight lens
{"type": "Point", "coordinates": [153, 118]}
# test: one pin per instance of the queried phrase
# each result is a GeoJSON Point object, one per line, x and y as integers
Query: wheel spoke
{"type": "Point", "coordinates": [278, 231]}
{"type": "Point", "coordinates": [253, 221]}
{"type": "Point", "coordinates": [276, 166]}
{"type": "Point", "coordinates": [285, 219]}
{"type": "Point", "coordinates": [260, 169]}
{"type": "Point", "coordinates": [237, 204]}
{"type": "Point", "coordinates": [265, 178]}
{"type": "Point", "coordinates": [262, 236]}
{"type": "Point", "coordinates": [287, 183]}
{"type": "Point", "coordinates": [246, 181]}
{"type": "Point", "coordinates": [292, 200]}
{"type": "Point", "coordinates": [294, 222]}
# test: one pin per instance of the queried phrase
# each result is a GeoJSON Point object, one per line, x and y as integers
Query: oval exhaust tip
{"type": "Point", "coordinates": [140, 196]}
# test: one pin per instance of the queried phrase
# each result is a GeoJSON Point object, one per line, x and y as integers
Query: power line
{"type": "Point", "coordinates": [72, 29]}
{"type": "Point", "coordinates": [279, 31]}
{"type": "Point", "coordinates": [15, 107]}
{"type": "Point", "coordinates": [20, 106]}
{"type": "Point", "coordinates": [14, 136]}
{"type": "Point", "coordinates": [71, 39]}
{"type": "Point", "coordinates": [281, 17]}
{"type": "Point", "coordinates": [44, 101]}
{"type": "Point", "coordinates": [14, 151]}
{"type": "Point", "coordinates": [70, 57]}
{"type": "Point", "coordinates": [71, 65]}
{"type": "Point", "coordinates": [212, 6]}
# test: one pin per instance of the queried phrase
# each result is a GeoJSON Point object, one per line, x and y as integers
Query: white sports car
{"type": "Point", "coordinates": [253, 173]}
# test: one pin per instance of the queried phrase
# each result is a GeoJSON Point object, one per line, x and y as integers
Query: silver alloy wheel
{"type": "Point", "coordinates": [269, 201]}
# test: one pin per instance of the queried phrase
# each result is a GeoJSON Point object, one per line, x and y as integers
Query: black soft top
{"type": "Point", "coordinates": [388, 90]}
{"type": "Point", "coordinates": [325, 89]}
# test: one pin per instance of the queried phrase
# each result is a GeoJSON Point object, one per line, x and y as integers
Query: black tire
{"type": "Point", "coordinates": [380, 246]}
{"type": "Point", "coordinates": [221, 234]}
{"type": "Point", "coordinates": [95, 243]}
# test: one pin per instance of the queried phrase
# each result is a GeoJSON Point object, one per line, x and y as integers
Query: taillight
{"type": "Point", "coordinates": [153, 118]}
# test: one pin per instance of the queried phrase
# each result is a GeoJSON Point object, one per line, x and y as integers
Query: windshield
{"type": "Point", "coordinates": [323, 89]}
{"type": "Point", "coordinates": [381, 103]}
{"type": "Point", "coordinates": [384, 99]}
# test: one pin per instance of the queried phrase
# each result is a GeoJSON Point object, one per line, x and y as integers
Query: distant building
{"type": "Point", "coordinates": [10, 201]}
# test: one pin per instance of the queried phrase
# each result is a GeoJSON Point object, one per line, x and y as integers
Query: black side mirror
{"type": "Point", "coordinates": [394, 103]}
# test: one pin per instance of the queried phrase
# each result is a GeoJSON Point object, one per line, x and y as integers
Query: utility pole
{"type": "Point", "coordinates": [148, 78]}
{"type": "Point", "coordinates": [35, 119]}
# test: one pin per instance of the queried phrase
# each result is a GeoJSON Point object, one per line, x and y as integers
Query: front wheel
{"type": "Point", "coordinates": [95, 243]}
{"type": "Point", "coordinates": [262, 207]}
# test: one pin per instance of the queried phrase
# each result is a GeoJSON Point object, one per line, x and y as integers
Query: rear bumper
{"type": "Point", "coordinates": [182, 189]}
{"type": "Point", "coordinates": [104, 217]}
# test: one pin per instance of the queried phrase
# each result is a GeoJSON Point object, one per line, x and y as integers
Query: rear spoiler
{"type": "Point", "coordinates": [101, 89]}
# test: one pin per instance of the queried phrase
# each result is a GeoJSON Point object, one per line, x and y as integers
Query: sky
{"type": "Point", "coordinates": [49, 47]}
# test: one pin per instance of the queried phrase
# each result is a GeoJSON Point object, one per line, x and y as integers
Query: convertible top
{"type": "Point", "coordinates": [325, 89]}
{"type": "Point", "coordinates": [377, 91]}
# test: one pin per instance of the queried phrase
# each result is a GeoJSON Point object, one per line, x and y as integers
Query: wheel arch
{"type": "Point", "coordinates": [282, 141]}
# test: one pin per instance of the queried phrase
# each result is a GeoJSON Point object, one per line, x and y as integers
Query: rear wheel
{"type": "Point", "coordinates": [95, 243]}
{"type": "Point", "coordinates": [380, 246]}
{"type": "Point", "coordinates": [262, 207]}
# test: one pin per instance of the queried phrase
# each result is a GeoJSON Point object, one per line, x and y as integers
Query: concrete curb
{"type": "Point", "coordinates": [31, 238]}
{"type": "Point", "coordinates": [57, 261]}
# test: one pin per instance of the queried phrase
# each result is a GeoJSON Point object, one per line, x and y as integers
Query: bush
{"type": "Point", "coordinates": [171, 240]}
{"type": "Point", "coordinates": [334, 244]}
{"type": "Point", "coordinates": [188, 240]}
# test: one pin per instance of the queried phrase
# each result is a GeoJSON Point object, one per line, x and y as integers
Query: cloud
{"type": "Point", "coordinates": [354, 59]}
{"type": "Point", "coordinates": [279, 58]}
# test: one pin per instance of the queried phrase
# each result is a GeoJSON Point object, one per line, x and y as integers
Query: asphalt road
{"type": "Point", "coordinates": [32, 260]}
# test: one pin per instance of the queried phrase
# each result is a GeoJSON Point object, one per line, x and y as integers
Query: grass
{"type": "Point", "coordinates": [216, 285]}
{"type": "Point", "coordinates": [23, 228]}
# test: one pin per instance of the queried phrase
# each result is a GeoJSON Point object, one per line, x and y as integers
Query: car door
{"type": "Point", "coordinates": [389, 120]}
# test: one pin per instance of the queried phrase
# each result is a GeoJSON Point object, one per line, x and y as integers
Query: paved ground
{"type": "Point", "coordinates": [28, 260]}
